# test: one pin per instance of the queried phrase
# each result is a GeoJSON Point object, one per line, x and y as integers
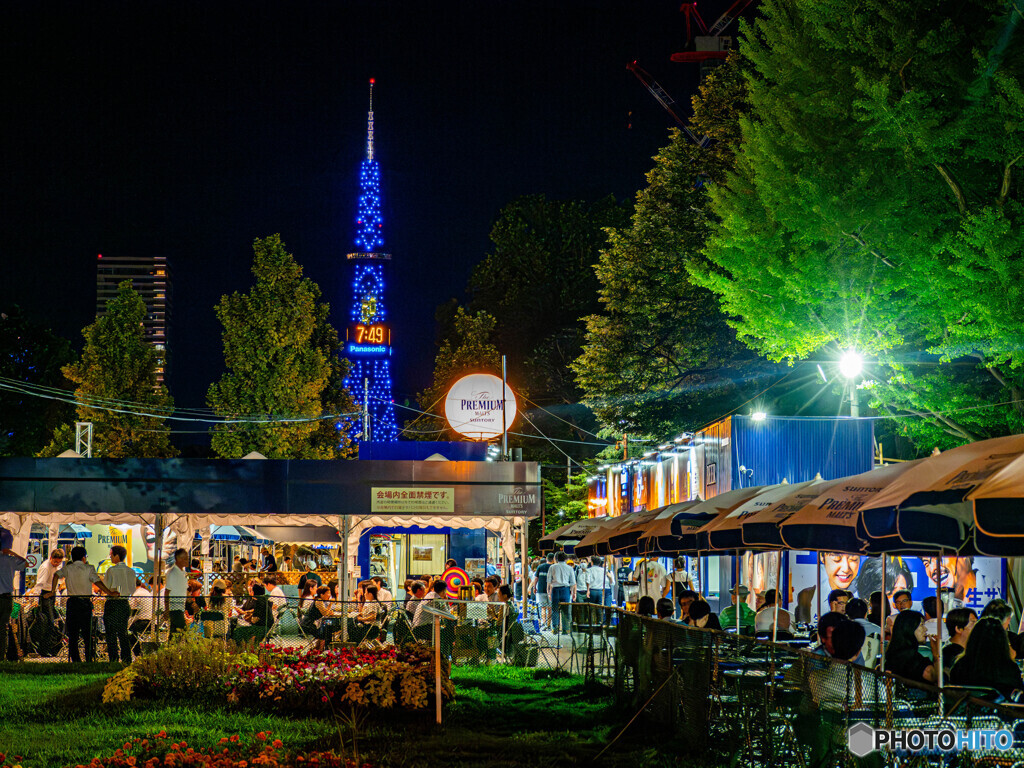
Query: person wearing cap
{"type": "Point", "coordinates": [45, 575]}
{"type": "Point", "coordinates": [121, 579]}
{"type": "Point", "coordinates": [747, 615]}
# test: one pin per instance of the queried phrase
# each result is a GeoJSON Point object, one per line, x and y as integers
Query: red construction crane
{"type": "Point", "coordinates": [709, 44]}
{"type": "Point", "coordinates": [664, 99]}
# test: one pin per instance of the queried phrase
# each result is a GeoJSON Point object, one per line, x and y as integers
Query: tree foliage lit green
{"type": "Point", "coordinates": [468, 348]}
{"type": "Point", "coordinates": [284, 378]}
{"type": "Point", "coordinates": [875, 203]}
{"type": "Point", "coordinates": [31, 354]}
{"type": "Point", "coordinates": [116, 386]}
{"type": "Point", "coordinates": [659, 356]}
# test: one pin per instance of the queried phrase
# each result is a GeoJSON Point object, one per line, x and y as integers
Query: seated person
{"type": "Point", "coordinates": [1000, 610]}
{"type": "Point", "coordinates": [702, 617]}
{"type": "Point", "coordinates": [959, 623]}
{"type": "Point", "coordinates": [194, 600]}
{"type": "Point", "coordinates": [857, 610]}
{"type": "Point", "coordinates": [259, 619]}
{"type": "Point", "coordinates": [986, 661]}
{"type": "Point", "coordinates": [837, 687]}
{"type": "Point", "coordinates": [902, 656]}
{"type": "Point", "coordinates": [685, 598]}
{"type": "Point", "coordinates": [766, 616]}
{"type": "Point", "coordinates": [664, 609]}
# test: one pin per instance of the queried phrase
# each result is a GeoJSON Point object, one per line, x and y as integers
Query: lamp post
{"type": "Point", "coordinates": [850, 366]}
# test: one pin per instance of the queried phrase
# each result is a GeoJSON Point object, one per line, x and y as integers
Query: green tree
{"type": "Point", "coordinates": [31, 356]}
{"type": "Point", "coordinates": [284, 370]}
{"type": "Point", "coordinates": [660, 357]}
{"type": "Point", "coordinates": [874, 203]}
{"type": "Point", "coordinates": [563, 504]}
{"type": "Point", "coordinates": [116, 386]}
{"type": "Point", "coordinates": [538, 283]}
{"type": "Point", "coordinates": [469, 348]}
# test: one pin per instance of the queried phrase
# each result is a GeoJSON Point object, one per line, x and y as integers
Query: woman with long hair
{"type": "Point", "coordinates": [986, 660]}
{"type": "Point", "coordinates": [902, 656]}
{"type": "Point", "coordinates": [645, 607]}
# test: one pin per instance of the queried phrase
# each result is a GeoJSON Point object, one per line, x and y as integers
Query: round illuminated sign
{"type": "Point", "coordinates": [473, 406]}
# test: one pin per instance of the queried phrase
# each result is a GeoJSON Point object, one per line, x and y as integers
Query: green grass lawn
{"type": "Point", "coordinates": [51, 715]}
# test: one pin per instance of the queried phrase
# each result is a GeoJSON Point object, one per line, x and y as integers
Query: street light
{"type": "Point", "coordinates": [850, 366]}
{"type": "Point", "coordinates": [758, 416]}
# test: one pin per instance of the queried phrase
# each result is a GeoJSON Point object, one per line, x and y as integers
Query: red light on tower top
{"type": "Point", "coordinates": [99, 255]}
{"type": "Point", "coordinates": [372, 81]}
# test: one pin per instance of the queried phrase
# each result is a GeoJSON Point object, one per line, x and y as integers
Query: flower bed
{"type": "Point", "coordinates": [304, 680]}
{"type": "Point", "coordinates": [231, 752]}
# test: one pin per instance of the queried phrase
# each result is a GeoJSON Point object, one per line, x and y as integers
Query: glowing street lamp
{"type": "Point", "coordinates": [851, 364]}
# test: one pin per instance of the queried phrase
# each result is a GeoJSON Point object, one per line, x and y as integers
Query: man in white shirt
{"type": "Point", "coordinates": [561, 585]}
{"type": "Point", "coordinates": [43, 579]}
{"type": "Point", "coordinates": [121, 579]}
{"type": "Point", "coordinates": [766, 616]}
{"type": "Point", "coordinates": [932, 624]}
{"type": "Point", "coordinates": [653, 579]}
{"type": "Point", "coordinates": [415, 603]}
{"type": "Point", "coordinates": [176, 590]}
{"type": "Point", "coordinates": [600, 582]}
{"type": "Point", "coordinates": [79, 577]}
{"type": "Point", "coordinates": [383, 593]}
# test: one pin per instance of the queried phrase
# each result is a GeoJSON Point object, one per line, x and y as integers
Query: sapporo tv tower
{"type": "Point", "coordinates": [368, 334]}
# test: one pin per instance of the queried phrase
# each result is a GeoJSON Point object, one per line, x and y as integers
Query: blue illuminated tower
{"type": "Point", "coordinates": [368, 336]}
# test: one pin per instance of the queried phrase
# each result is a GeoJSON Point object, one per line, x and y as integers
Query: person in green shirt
{"type": "Point", "coordinates": [728, 616]}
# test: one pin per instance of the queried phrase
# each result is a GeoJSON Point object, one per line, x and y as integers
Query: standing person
{"type": "Point", "coordinates": [680, 580]}
{"type": "Point", "coordinates": [121, 579]}
{"type": "Point", "coordinates": [582, 580]}
{"type": "Point", "coordinates": [540, 584]}
{"type": "Point", "coordinates": [269, 561]}
{"type": "Point", "coordinates": [600, 582]}
{"type": "Point", "coordinates": [653, 579]}
{"type": "Point", "coordinates": [43, 579]}
{"type": "Point", "coordinates": [79, 577]}
{"type": "Point", "coordinates": [177, 590]}
{"type": "Point", "coordinates": [10, 563]}
{"type": "Point", "coordinates": [561, 585]}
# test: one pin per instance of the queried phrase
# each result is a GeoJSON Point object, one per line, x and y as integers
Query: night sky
{"type": "Point", "coordinates": [189, 129]}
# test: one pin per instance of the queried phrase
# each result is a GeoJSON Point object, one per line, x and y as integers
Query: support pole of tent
{"type": "Point", "coordinates": [778, 597]}
{"type": "Point", "coordinates": [343, 577]}
{"type": "Point", "coordinates": [524, 579]}
{"type": "Point", "coordinates": [885, 605]}
{"type": "Point", "coordinates": [700, 577]}
{"type": "Point", "coordinates": [158, 561]}
{"type": "Point", "coordinates": [938, 632]}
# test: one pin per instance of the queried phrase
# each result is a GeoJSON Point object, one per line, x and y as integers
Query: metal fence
{"type": "Point", "coordinates": [481, 632]}
{"type": "Point", "coordinates": [740, 700]}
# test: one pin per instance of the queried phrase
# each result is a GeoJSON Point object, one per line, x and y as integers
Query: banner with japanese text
{"type": "Point", "coordinates": [413, 501]}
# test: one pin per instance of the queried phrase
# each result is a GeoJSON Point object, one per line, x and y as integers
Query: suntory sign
{"type": "Point", "coordinates": [473, 406]}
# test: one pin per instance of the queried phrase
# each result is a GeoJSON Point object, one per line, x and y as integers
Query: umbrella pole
{"type": "Point", "coordinates": [700, 581]}
{"type": "Point", "coordinates": [736, 590]}
{"type": "Point", "coordinates": [817, 585]}
{"type": "Point", "coordinates": [885, 604]}
{"type": "Point", "coordinates": [938, 632]}
{"type": "Point", "coordinates": [778, 596]}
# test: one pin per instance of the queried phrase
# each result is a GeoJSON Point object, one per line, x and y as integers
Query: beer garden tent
{"type": "Point", "coordinates": [187, 495]}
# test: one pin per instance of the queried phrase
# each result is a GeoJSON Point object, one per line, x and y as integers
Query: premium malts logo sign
{"type": "Point", "coordinates": [473, 406]}
{"type": "Point", "coordinates": [520, 500]}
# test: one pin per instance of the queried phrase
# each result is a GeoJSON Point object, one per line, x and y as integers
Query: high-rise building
{"type": "Point", "coordinates": [152, 281]}
{"type": "Point", "coordinates": [368, 334]}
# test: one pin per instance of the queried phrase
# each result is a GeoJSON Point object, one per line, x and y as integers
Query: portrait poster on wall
{"type": "Point", "coordinates": [974, 581]}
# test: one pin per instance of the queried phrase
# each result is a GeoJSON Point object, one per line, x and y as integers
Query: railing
{"type": "Point", "coordinates": [66, 628]}
{"type": "Point", "coordinates": [738, 698]}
